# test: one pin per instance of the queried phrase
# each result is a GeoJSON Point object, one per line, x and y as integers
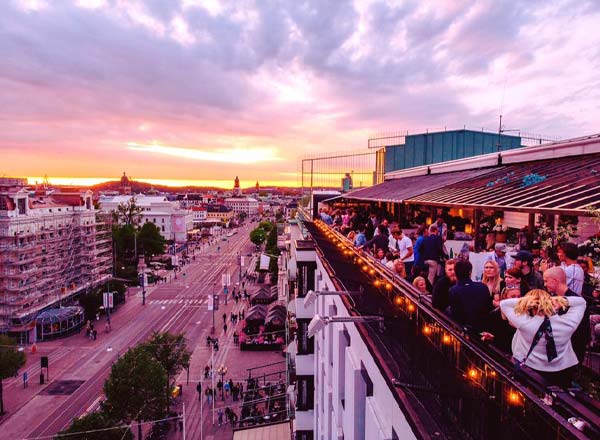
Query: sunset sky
{"type": "Point", "coordinates": [205, 90]}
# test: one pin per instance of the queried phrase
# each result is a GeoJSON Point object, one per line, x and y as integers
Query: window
{"type": "Point", "coordinates": [21, 205]}
{"type": "Point", "coordinates": [306, 393]}
{"type": "Point", "coordinates": [367, 379]}
{"type": "Point", "coordinates": [163, 228]}
{"type": "Point", "coordinates": [306, 345]}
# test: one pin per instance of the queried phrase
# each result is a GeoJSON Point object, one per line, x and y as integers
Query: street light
{"type": "Point", "coordinates": [318, 323]}
{"type": "Point", "coordinates": [311, 295]}
{"type": "Point", "coordinates": [222, 371]}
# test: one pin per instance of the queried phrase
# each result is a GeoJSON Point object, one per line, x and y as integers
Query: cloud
{"type": "Point", "coordinates": [279, 79]}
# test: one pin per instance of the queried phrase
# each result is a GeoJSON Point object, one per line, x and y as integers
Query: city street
{"type": "Point", "coordinates": [179, 305]}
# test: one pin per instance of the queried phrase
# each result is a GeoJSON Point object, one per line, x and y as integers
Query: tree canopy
{"type": "Point", "coordinates": [128, 213]}
{"type": "Point", "coordinates": [258, 236]}
{"type": "Point", "coordinates": [11, 361]}
{"type": "Point", "coordinates": [169, 350]}
{"type": "Point", "coordinates": [135, 389]}
{"type": "Point", "coordinates": [150, 241]}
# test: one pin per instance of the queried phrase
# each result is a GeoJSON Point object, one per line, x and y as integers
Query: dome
{"type": "Point", "coordinates": [124, 179]}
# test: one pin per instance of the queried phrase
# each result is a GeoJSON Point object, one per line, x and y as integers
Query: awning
{"type": "Point", "coordinates": [564, 184]}
{"type": "Point", "coordinates": [276, 431]}
{"type": "Point", "coordinates": [398, 190]}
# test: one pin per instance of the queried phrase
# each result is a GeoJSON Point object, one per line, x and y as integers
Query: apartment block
{"type": "Point", "coordinates": [53, 246]}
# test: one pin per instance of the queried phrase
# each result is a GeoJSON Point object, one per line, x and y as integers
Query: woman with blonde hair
{"type": "Point", "coordinates": [491, 277]}
{"type": "Point", "coordinates": [536, 317]}
{"type": "Point", "coordinates": [421, 285]}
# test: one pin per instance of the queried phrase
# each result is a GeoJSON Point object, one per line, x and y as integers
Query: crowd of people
{"type": "Point", "coordinates": [517, 302]}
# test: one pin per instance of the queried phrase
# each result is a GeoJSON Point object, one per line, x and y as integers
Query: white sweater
{"type": "Point", "coordinates": [563, 327]}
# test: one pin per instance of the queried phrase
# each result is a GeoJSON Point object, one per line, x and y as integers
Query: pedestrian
{"type": "Point", "coordinates": [226, 388]}
{"type": "Point", "coordinates": [224, 318]}
{"type": "Point", "coordinates": [180, 421]}
{"type": "Point", "coordinates": [95, 334]}
{"type": "Point", "coordinates": [206, 370]}
{"type": "Point", "coordinates": [220, 416]}
{"type": "Point", "coordinates": [199, 389]}
{"type": "Point", "coordinates": [224, 328]}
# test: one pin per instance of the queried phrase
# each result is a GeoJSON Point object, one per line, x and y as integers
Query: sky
{"type": "Point", "coordinates": [192, 90]}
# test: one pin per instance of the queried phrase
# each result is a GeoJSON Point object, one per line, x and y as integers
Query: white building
{"type": "Point", "coordinates": [173, 222]}
{"type": "Point", "coordinates": [52, 247]}
{"type": "Point", "coordinates": [249, 205]}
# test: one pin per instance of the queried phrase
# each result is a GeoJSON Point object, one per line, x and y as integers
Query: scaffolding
{"type": "Point", "coordinates": [46, 259]}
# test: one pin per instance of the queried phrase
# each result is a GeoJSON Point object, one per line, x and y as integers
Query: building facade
{"type": "Point", "coordinates": [173, 222]}
{"type": "Point", "coordinates": [53, 246]}
{"type": "Point", "coordinates": [249, 205]}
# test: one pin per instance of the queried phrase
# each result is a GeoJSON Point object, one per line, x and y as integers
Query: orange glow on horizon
{"type": "Point", "coordinates": [175, 183]}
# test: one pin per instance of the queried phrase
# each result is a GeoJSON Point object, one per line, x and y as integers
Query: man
{"type": "Point", "coordinates": [470, 301]}
{"type": "Point", "coordinates": [199, 389]}
{"type": "Point", "coordinates": [361, 237]}
{"type": "Point", "coordinates": [440, 296]}
{"type": "Point", "coordinates": [325, 217]}
{"type": "Point", "coordinates": [499, 256]}
{"type": "Point", "coordinates": [533, 280]}
{"type": "Point", "coordinates": [385, 230]}
{"type": "Point", "coordinates": [555, 280]}
{"type": "Point", "coordinates": [432, 250]}
{"type": "Point", "coordinates": [380, 241]}
{"type": "Point", "coordinates": [567, 253]}
{"type": "Point", "coordinates": [402, 246]}
{"type": "Point", "coordinates": [442, 228]}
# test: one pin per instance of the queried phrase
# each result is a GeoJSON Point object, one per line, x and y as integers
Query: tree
{"type": "Point", "coordinates": [128, 213]}
{"type": "Point", "coordinates": [170, 351]}
{"type": "Point", "coordinates": [135, 389]}
{"type": "Point", "coordinates": [11, 360]}
{"type": "Point", "coordinates": [265, 225]}
{"type": "Point", "coordinates": [98, 422]}
{"type": "Point", "coordinates": [125, 242]}
{"type": "Point", "coordinates": [150, 241]}
{"type": "Point", "coordinates": [258, 236]}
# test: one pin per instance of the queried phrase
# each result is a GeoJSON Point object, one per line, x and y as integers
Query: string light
{"type": "Point", "coordinates": [372, 272]}
{"type": "Point", "coordinates": [377, 283]}
{"type": "Point", "coordinates": [514, 398]}
{"type": "Point", "coordinates": [473, 373]}
{"type": "Point", "coordinates": [411, 307]}
{"type": "Point", "coordinates": [398, 300]}
{"type": "Point", "coordinates": [427, 330]}
{"type": "Point", "coordinates": [388, 286]}
{"type": "Point", "coordinates": [365, 268]}
{"type": "Point", "coordinates": [447, 339]}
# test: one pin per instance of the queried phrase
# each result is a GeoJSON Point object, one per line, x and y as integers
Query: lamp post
{"type": "Point", "coordinates": [222, 371]}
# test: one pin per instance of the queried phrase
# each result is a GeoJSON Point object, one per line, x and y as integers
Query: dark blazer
{"type": "Point", "coordinates": [440, 297]}
{"type": "Point", "coordinates": [470, 304]}
{"type": "Point", "coordinates": [432, 248]}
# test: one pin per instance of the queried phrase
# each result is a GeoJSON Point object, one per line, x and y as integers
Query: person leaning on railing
{"type": "Point", "coordinates": [536, 316]}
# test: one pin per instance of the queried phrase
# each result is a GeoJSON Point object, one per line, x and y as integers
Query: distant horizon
{"type": "Point", "coordinates": [173, 183]}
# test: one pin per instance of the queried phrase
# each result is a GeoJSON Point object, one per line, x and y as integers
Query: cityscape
{"type": "Point", "coordinates": [332, 220]}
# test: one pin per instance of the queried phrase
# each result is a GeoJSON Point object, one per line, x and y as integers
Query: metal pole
{"type": "Point", "coordinates": [201, 416]}
{"type": "Point", "coordinates": [212, 376]}
{"type": "Point", "coordinates": [183, 417]}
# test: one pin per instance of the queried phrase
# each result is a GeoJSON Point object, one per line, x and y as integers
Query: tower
{"type": "Point", "coordinates": [236, 187]}
{"type": "Point", "coordinates": [257, 187]}
{"type": "Point", "coordinates": [125, 187]}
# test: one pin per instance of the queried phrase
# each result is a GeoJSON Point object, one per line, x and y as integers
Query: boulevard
{"type": "Point", "coordinates": [180, 305]}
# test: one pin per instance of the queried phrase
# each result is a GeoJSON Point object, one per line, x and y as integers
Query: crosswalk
{"type": "Point", "coordinates": [182, 302]}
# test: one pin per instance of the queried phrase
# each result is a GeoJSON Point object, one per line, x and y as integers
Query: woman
{"type": "Point", "coordinates": [399, 268]}
{"type": "Point", "coordinates": [514, 278]}
{"type": "Point", "coordinates": [587, 265]}
{"type": "Point", "coordinates": [421, 285]}
{"type": "Point", "coordinates": [501, 332]}
{"type": "Point", "coordinates": [492, 279]}
{"type": "Point", "coordinates": [536, 317]}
